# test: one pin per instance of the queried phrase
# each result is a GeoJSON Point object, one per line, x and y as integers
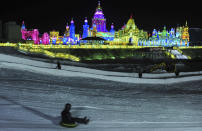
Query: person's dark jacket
{"type": "Point", "coordinates": [67, 117]}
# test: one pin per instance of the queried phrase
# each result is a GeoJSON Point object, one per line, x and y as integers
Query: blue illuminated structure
{"type": "Point", "coordinates": [65, 40]}
{"type": "Point", "coordinates": [54, 40]}
{"type": "Point", "coordinates": [112, 31]}
{"type": "Point", "coordinates": [23, 26]}
{"type": "Point", "coordinates": [85, 29]}
{"type": "Point", "coordinates": [165, 38]}
{"type": "Point", "coordinates": [72, 31]}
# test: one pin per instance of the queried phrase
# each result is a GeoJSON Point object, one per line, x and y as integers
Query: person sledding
{"type": "Point", "coordinates": [68, 120]}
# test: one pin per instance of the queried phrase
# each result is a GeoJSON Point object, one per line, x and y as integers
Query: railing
{"type": "Point", "coordinates": [49, 53]}
{"type": "Point", "coordinates": [8, 44]}
{"type": "Point", "coordinates": [87, 46]}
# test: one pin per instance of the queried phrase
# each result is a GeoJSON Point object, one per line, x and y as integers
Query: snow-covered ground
{"type": "Point", "coordinates": [33, 93]}
{"type": "Point", "coordinates": [13, 62]}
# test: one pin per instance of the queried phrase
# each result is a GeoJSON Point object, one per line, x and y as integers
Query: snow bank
{"type": "Point", "coordinates": [12, 62]}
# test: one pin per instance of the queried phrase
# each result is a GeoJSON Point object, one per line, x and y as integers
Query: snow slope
{"type": "Point", "coordinates": [12, 62]}
{"type": "Point", "coordinates": [33, 93]}
{"type": "Point", "coordinates": [33, 102]}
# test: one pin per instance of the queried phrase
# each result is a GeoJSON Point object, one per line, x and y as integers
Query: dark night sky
{"type": "Point", "coordinates": [54, 15]}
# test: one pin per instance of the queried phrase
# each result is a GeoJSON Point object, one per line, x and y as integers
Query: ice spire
{"type": "Point", "coordinates": [72, 21]}
{"type": "Point", "coordinates": [23, 25]}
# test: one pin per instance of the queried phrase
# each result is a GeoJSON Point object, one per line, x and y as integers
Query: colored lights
{"type": "Point", "coordinates": [129, 34]}
{"type": "Point", "coordinates": [49, 50]}
{"type": "Point", "coordinates": [175, 37]}
{"type": "Point", "coordinates": [99, 20]}
{"type": "Point", "coordinates": [85, 29]}
{"type": "Point", "coordinates": [72, 31]}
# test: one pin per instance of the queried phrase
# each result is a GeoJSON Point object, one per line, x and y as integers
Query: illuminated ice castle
{"type": "Point", "coordinates": [174, 37]}
{"type": "Point", "coordinates": [53, 38]}
{"type": "Point", "coordinates": [69, 37]}
{"type": "Point", "coordinates": [34, 35]}
{"type": "Point", "coordinates": [129, 33]}
{"type": "Point", "coordinates": [98, 28]}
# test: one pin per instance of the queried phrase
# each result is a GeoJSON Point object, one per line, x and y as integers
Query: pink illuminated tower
{"type": "Point", "coordinates": [30, 35]}
{"type": "Point", "coordinates": [45, 39]}
{"type": "Point", "coordinates": [99, 19]}
{"type": "Point", "coordinates": [35, 36]}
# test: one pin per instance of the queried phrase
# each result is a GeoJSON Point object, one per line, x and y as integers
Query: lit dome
{"type": "Point", "coordinates": [99, 14]}
{"type": "Point", "coordinates": [130, 24]}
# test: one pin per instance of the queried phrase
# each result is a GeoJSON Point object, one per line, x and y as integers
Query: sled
{"type": "Point", "coordinates": [73, 125]}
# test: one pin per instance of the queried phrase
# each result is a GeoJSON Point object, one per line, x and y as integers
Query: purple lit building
{"type": "Point", "coordinates": [98, 26]}
{"type": "Point", "coordinates": [99, 20]}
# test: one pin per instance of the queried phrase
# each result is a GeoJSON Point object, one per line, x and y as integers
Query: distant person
{"type": "Point", "coordinates": [68, 120]}
{"type": "Point", "coordinates": [140, 73]}
{"type": "Point", "coordinates": [177, 73]}
{"type": "Point", "coordinates": [58, 65]}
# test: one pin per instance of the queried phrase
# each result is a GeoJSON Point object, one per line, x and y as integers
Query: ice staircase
{"type": "Point", "coordinates": [178, 54]}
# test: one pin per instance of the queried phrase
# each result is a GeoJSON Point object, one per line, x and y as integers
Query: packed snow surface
{"type": "Point", "coordinates": [23, 64]}
{"type": "Point", "coordinates": [33, 93]}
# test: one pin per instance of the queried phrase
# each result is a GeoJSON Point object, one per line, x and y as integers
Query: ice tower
{"type": "Point", "coordinates": [72, 30]}
{"type": "Point", "coordinates": [85, 29]}
{"type": "Point", "coordinates": [99, 20]}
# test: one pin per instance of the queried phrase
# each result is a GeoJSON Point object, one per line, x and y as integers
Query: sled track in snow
{"type": "Point", "coordinates": [112, 106]}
